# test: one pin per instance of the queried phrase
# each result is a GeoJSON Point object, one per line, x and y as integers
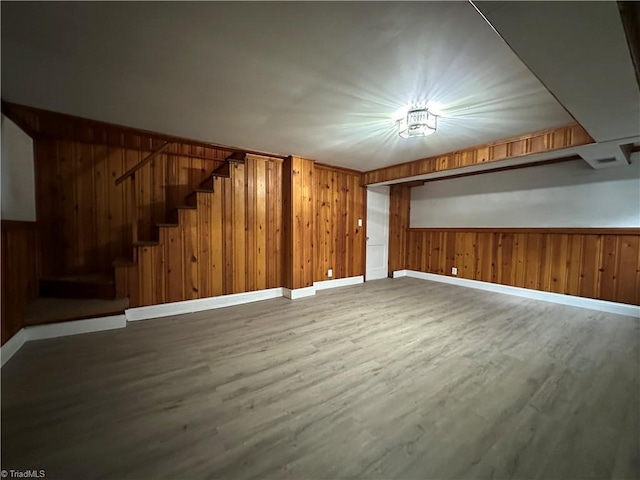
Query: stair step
{"type": "Point", "coordinates": [97, 285]}
{"type": "Point", "coordinates": [146, 243]}
{"type": "Point", "coordinates": [123, 262]}
{"type": "Point", "coordinates": [43, 311]}
{"type": "Point", "coordinates": [200, 190]}
{"type": "Point", "coordinates": [222, 170]}
{"type": "Point", "coordinates": [207, 183]}
{"type": "Point", "coordinates": [192, 198]}
{"type": "Point", "coordinates": [185, 207]}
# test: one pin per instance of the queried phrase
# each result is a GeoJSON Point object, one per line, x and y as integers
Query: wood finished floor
{"type": "Point", "coordinates": [392, 379]}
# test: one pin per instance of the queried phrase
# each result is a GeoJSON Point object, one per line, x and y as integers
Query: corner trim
{"type": "Point", "coordinates": [76, 327]}
{"type": "Point", "coordinates": [200, 304]}
{"type": "Point", "coordinates": [571, 300]}
{"type": "Point", "coordinates": [62, 329]}
{"type": "Point", "coordinates": [11, 346]}
{"type": "Point", "coordinates": [294, 294]}
{"type": "Point", "coordinates": [338, 282]}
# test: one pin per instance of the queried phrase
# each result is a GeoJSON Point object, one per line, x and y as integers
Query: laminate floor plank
{"type": "Point", "coordinates": [397, 378]}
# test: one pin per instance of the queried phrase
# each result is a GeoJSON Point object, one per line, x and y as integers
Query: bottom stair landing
{"type": "Point", "coordinates": [54, 310]}
{"type": "Point", "coordinates": [94, 285]}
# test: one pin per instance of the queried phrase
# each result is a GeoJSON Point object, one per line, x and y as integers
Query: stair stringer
{"type": "Point", "coordinates": [189, 260]}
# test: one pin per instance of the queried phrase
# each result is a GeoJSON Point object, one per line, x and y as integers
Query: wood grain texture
{"type": "Point", "coordinates": [38, 123]}
{"type": "Point", "coordinates": [339, 243]}
{"type": "Point", "coordinates": [86, 219]}
{"type": "Point", "coordinates": [539, 142]}
{"type": "Point", "coordinates": [228, 240]}
{"type": "Point", "coordinates": [584, 262]}
{"type": "Point", "coordinates": [20, 273]}
{"type": "Point", "coordinates": [399, 205]}
{"type": "Point", "coordinates": [389, 379]}
{"type": "Point", "coordinates": [298, 222]}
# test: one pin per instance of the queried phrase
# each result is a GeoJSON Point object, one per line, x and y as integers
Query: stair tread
{"type": "Point", "coordinates": [200, 190]}
{"type": "Point", "coordinates": [123, 262]}
{"type": "Point", "coordinates": [203, 190]}
{"type": "Point", "coordinates": [52, 310]}
{"type": "Point", "coordinates": [92, 285]}
{"type": "Point", "coordinates": [102, 278]}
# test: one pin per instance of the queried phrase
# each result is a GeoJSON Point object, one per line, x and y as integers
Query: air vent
{"type": "Point", "coordinates": [606, 160]}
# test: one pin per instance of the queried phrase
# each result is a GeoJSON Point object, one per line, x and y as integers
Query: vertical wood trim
{"type": "Point", "coordinates": [399, 205]}
{"type": "Point", "coordinates": [298, 222]}
{"type": "Point", "coordinates": [239, 227]}
{"type": "Point", "coordinates": [21, 269]}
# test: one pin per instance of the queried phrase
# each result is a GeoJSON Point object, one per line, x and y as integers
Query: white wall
{"type": "Point", "coordinates": [17, 174]}
{"type": "Point", "coordinates": [569, 194]}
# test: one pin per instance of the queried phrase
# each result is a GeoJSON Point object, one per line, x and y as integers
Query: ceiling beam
{"type": "Point", "coordinates": [630, 15]}
{"type": "Point", "coordinates": [534, 143]}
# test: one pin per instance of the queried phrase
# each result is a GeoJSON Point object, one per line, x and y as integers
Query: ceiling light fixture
{"type": "Point", "coordinates": [418, 122]}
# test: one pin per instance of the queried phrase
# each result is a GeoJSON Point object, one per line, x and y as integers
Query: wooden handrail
{"type": "Point", "coordinates": [142, 163]}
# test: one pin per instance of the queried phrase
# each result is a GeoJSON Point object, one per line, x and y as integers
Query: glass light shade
{"type": "Point", "coordinates": [419, 122]}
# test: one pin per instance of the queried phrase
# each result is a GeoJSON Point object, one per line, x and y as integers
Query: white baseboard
{"type": "Point", "coordinates": [191, 306]}
{"type": "Point", "coordinates": [11, 346]}
{"type": "Point", "coordinates": [53, 330]}
{"type": "Point", "coordinates": [338, 282]}
{"type": "Point", "coordinates": [322, 285]}
{"type": "Point", "coordinates": [63, 329]}
{"type": "Point", "coordinates": [590, 303]}
{"type": "Point", "coordinates": [399, 273]}
{"type": "Point", "coordinates": [299, 292]}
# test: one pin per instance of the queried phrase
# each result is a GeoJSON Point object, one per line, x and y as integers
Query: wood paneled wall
{"type": "Point", "coordinates": [259, 229]}
{"type": "Point", "coordinates": [230, 242]}
{"type": "Point", "coordinates": [85, 218]}
{"type": "Point", "coordinates": [399, 204]}
{"type": "Point", "coordinates": [594, 263]}
{"type": "Point", "coordinates": [298, 222]}
{"type": "Point", "coordinates": [538, 142]}
{"type": "Point", "coordinates": [20, 273]}
{"type": "Point", "coordinates": [339, 243]}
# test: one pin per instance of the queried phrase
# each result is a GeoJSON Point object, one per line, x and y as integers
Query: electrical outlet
{"type": "Point", "coordinates": [454, 271]}
{"type": "Point", "coordinates": [359, 222]}
{"type": "Point", "coordinates": [330, 272]}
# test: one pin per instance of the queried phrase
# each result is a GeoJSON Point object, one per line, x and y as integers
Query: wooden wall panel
{"type": "Point", "coordinates": [399, 204]}
{"type": "Point", "coordinates": [236, 240]}
{"type": "Point", "coordinates": [273, 240]}
{"type": "Point", "coordinates": [86, 218]}
{"type": "Point", "coordinates": [339, 243]}
{"type": "Point", "coordinates": [537, 142]}
{"type": "Point", "coordinates": [238, 216]}
{"type": "Point", "coordinates": [229, 243]}
{"type": "Point", "coordinates": [298, 222]}
{"type": "Point", "coordinates": [594, 263]}
{"type": "Point", "coordinates": [20, 273]}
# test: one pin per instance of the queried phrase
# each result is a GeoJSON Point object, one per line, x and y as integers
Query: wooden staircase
{"type": "Point", "coordinates": [169, 233]}
{"type": "Point", "coordinates": [104, 285]}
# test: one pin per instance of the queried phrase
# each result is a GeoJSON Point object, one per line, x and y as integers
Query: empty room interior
{"type": "Point", "coordinates": [316, 240]}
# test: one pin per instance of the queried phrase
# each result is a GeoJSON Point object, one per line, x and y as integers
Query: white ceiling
{"type": "Point", "coordinates": [320, 80]}
{"type": "Point", "coordinates": [580, 52]}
